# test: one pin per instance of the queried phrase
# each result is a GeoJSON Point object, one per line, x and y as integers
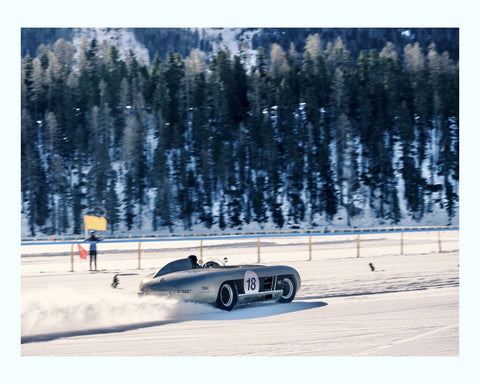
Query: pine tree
{"type": "Point", "coordinates": [35, 187]}
{"type": "Point", "coordinates": [172, 111]}
{"type": "Point", "coordinates": [445, 111]}
{"type": "Point", "coordinates": [129, 201]}
{"type": "Point", "coordinates": [258, 201]}
{"type": "Point", "coordinates": [161, 180]}
{"type": "Point", "coordinates": [112, 204]}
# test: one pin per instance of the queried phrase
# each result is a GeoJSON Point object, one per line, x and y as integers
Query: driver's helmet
{"type": "Point", "coordinates": [194, 259]}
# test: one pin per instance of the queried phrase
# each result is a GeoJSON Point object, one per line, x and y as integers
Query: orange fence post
{"type": "Point", "coordinates": [358, 245]}
{"type": "Point", "coordinates": [258, 250]}
{"type": "Point", "coordinates": [139, 253]}
{"type": "Point", "coordinates": [401, 243]}
{"type": "Point", "coordinates": [310, 248]}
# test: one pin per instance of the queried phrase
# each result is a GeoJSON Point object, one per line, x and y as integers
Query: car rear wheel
{"type": "Point", "coordinates": [227, 296]}
{"type": "Point", "coordinates": [289, 289]}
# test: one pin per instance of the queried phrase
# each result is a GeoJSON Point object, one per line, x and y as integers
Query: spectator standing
{"type": "Point", "coordinates": [93, 240]}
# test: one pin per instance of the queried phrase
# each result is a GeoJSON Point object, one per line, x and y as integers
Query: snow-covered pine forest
{"type": "Point", "coordinates": [299, 129]}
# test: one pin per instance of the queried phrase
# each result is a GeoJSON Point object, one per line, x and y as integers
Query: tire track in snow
{"type": "Point", "coordinates": [406, 340]}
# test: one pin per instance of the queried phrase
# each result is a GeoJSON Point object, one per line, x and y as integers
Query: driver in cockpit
{"type": "Point", "coordinates": [194, 260]}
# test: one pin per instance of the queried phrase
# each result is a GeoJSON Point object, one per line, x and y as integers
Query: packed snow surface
{"type": "Point", "coordinates": [407, 306]}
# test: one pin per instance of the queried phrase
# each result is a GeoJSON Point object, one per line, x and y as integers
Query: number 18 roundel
{"type": "Point", "coordinates": [251, 282]}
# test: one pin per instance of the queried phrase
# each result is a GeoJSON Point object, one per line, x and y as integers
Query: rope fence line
{"type": "Point", "coordinates": [358, 243]}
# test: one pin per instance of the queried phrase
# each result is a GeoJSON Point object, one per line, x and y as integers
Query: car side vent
{"type": "Point", "coordinates": [268, 283]}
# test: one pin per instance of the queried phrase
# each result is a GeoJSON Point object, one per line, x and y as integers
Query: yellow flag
{"type": "Point", "coordinates": [94, 222]}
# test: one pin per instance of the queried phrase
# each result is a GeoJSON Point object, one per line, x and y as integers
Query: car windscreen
{"type": "Point", "coordinates": [175, 266]}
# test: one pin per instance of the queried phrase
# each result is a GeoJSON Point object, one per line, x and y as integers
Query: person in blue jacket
{"type": "Point", "coordinates": [93, 240]}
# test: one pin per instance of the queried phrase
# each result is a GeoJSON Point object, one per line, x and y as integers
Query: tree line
{"type": "Point", "coordinates": [297, 138]}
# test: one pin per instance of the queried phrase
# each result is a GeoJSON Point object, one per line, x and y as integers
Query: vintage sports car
{"type": "Point", "coordinates": [222, 285]}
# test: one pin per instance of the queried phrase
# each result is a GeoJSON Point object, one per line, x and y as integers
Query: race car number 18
{"type": "Point", "coordinates": [251, 282]}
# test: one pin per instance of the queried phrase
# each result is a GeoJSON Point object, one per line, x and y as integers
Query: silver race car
{"type": "Point", "coordinates": [221, 285]}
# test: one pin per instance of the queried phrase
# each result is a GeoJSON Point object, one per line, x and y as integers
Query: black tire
{"type": "Point", "coordinates": [227, 296]}
{"type": "Point", "coordinates": [211, 264]}
{"type": "Point", "coordinates": [289, 289]}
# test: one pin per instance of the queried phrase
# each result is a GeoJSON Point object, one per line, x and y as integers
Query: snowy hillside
{"type": "Point", "coordinates": [123, 39]}
{"type": "Point", "coordinates": [237, 41]}
{"type": "Point", "coordinates": [306, 133]}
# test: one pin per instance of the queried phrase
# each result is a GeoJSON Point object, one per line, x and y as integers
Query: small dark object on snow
{"type": "Point", "coordinates": [115, 281]}
{"type": "Point", "coordinates": [371, 267]}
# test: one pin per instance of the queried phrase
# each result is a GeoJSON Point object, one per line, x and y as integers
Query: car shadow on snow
{"type": "Point", "coordinates": [262, 309]}
{"type": "Point", "coordinates": [242, 312]}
